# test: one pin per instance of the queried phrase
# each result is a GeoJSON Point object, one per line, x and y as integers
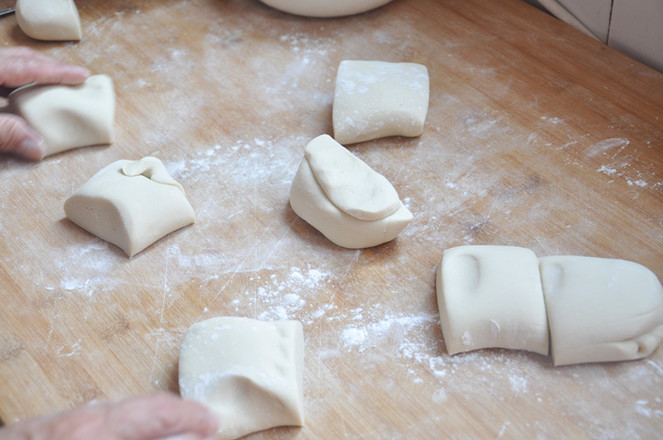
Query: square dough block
{"type": "Point", "coordinates": [601, 309]}
{"type": "Point", "coordinates": [69, 116]}
{"type": "Point", "coordinates": [374, 99]}
{"type": "Point", "coordinates": [50, 20]}
{"type": "Point", "coordinates": [130, 203]}
{"type": "Point", "coordinates": [248, 372]}
{"type": "Point", "coordinates": [491, 296]}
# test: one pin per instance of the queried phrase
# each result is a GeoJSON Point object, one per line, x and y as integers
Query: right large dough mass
{"type": "Point", "coordinates": [601, 309]}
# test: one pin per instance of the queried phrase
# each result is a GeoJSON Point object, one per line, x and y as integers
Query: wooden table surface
{"type": "Point", "coordinates": [536, 136]}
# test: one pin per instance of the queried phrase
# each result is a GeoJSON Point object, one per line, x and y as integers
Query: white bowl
{"type": "Point", "coordinates": [325, 8]}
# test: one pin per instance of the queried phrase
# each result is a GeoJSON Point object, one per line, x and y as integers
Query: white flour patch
{"type": "Point", "coordinates": [608, 146]}
{"type": "Point", "coordinates": [552, 120]}
{"type": "Point", "coordinates": [287, 298]}
{"type": "Point", "coordinates": [607, 170]}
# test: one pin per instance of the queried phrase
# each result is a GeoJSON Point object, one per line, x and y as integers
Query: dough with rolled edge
{"type": "Point", "coordinates": [490, 296]}
{"type": "Point", "coordinates": [601, 309]}
{"type": "Point", "coordinates": [343, 198]}
{"type": "Point", "coordinates": [248, 372]}
{"type": "Point", "coordinates": [325, 8]}
{"type": "Point", "coordinates": [375, 99]}
{"type": "Point", "coordinates": [49, 20]}
{"type": "Point", "coordinates": [131, 204]}
{"type": "Point", "coordinates": [69, 117]}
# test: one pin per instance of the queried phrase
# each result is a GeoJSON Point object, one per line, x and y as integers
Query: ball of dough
{"type": "Point", "coordinates": [248, 372]}
{"type": "Point", "coordinates": [375, 99]}
{"type": "Point", "coordinates": [490, 296]}
{"type": "Point", "coordinates": [51, 20]}
{"type": "Point", "coordinates": [325, 8]}
{"type": "Point", "coordinates": [131, 204]}
{"type": "Point", "coordinates": [601, 309]}
{"type": "Point", "coordinates": [343, 198]}
{"type": "Point", "coordinates": [69, 116]}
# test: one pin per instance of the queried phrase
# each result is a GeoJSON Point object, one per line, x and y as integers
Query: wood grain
{"type": "Point", "coordinates": [537, 136]}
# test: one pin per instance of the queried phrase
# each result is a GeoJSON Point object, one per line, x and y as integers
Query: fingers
{"type": "Point", "coordinates": [21, 65]}
{"type": "Point", "coordinates": [19, 139]}
{"type": "Point", "coordinates": [160, 416]}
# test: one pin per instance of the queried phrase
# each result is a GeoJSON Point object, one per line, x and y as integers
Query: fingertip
{"type": "Point", "coordinates": [31, 149]}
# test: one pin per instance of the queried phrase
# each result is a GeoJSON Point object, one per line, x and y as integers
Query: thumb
{"type": "Point", "coordinates": [19, 139]}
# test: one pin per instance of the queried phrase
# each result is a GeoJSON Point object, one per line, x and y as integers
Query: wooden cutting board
{"type": "Point", "coordinates": [536, 136]}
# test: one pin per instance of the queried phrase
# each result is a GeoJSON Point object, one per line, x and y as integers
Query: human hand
{"type": "Point", "coordinates": [152, 417]}
{"type": "Point", "coordinates": [20, 66]}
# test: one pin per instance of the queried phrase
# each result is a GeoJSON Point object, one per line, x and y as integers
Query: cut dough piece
{"type": "Point", "coordinates": [325, 8]}
{"type": "Point", "coordinates": [50, 20]}
{"type": "Point", "coordinates": [491, 296]}
{"type": "Point", "coordinates": [131, 204]}
{"type": "Point", "coordinates": [69, 116]}
{"type": "Point", "coordinates": [375, 99]}
{"type": "Point", "coordinates": [601, 309]}
{"type": "Point", "coordinates": [248, 372]}
{"type": "Point", "coordinates": [343, 198]}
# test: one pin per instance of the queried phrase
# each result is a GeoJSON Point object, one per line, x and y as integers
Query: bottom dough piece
{"type": "Point", "coordinates": [131, 204]}
{"type": "Point", "coordinates": [601, 309]}
{"type": "Point", "coordinates": [248, 372]}
{"type": "Point", "coordinates": [490, 296]}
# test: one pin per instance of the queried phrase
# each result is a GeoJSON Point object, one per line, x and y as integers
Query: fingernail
{"type": "Point", "coordinates": [33, 149]}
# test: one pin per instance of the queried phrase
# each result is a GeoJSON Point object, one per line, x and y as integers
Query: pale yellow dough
{"type": "Point", "coordinates": [51, 20]}
{"type": "Point", "coordinates": [375, 99]}
{"type": "Point", "coordinates": [343, 198]}
{"type": "Point", "coordinates": [131, 204]}
{"type": "Point", "coordinates": [601, 309]}
{"type": "Point", "coordinates": [248, 372]}
{"type": "Point", "coordinates": [490, 296]}
{"type": "Point", "coordinates": [69, 116]}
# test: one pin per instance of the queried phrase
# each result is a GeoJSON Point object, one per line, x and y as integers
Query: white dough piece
{"type": "Point", "coordinates": [325, 8]}
{"type": "Point", "coordinates": [375, 99]}
{"type": "Point", "coordinates": [69, 116]}
{"type": "Point", "coordinates": [50, 20]}
{"type": "Point", "coordinates": [491, 296]}
{"type": "Point", "coordinates": [131, 204]}
{"type": "Point", "coordinates": [248, 372]}
{"type": "Point", "coordinates": [345, 199]}
{"type": "Point", "coordinates": [601, 309]}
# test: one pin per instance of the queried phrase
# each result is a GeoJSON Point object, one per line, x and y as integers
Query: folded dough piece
{"type": "Point", "coordinates": [375, 99]}
{"type": "Point", "coordinates": [51, 20]}
{"type": "Point", "coordinates": [345, 199]}
{"type": "Point", "coordinates": [324, 8]}
{"type": "Point", "coordinates": [131, 204]}
{"type": "Point", "coordinates": [601, 309]}
{"type": "Point", "coordinates": [248, 372]}
{"type": "Point", "coordinates": [490, 296]}
{"type": "Point", "coordinates": [69, 116]}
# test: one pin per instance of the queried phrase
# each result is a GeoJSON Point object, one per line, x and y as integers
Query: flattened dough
{"type": "Point", "coordinates": [248, 372]}
{"type": "Point", "coordinates": [69, 116]}
{"type": "Point", "coordinates": [374, 99]}
{"type": "Point", "coordinates": [131, 204]}
{"type": "Point", "coordinates": [324, 8]}
{"type": "Point", "coordinates": [601, 309]}
{"type": "Point", "coordinates": [50, 20]}
{"type": "Point", "coordinates": [343, 198]}
{"type": "Point", "coordinates": [490, 296]}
